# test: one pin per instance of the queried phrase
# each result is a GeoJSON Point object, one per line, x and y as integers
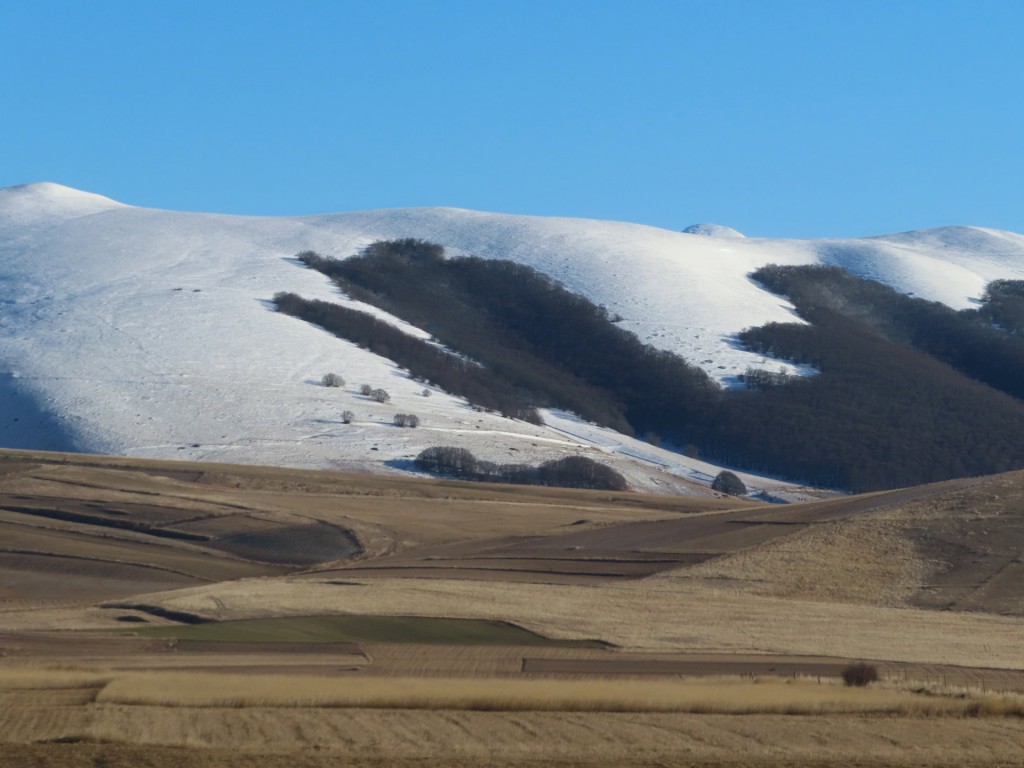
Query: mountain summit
{"type": "Point", "coordinates": [712, 230]}
{"type": "Point", "coordinates": [48, 200]}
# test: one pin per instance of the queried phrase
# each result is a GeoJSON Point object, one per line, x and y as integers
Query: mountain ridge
{"type": "Point", "coordinates": [117, 324]}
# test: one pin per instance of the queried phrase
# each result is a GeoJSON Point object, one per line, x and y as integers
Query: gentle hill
{"type": "Point", "coordinates": [952, 546]}
{"type": "Point", "coordinates": [142, 525]}
{"type": "Point", "coordinates": [80, 529]}
{"type": "Point", "coordinates": [474, 612]}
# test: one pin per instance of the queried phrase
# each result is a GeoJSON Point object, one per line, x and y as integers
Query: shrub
{"type": "Point", "coordinates": [365, 389]}
{"type": "Point", "coordinates": [447, 460]}
{"type": "Point", "coordinates": [570, 472]}
{"type": "Point", "coordinates": [347, 416]}
{"type": "Point", "coordinates": [426, 393]}
{"type": "Point", "coordinates": [860, 674]}
{"type": "Point", "coordinates": [380, 395]}
{"type": "Point", "coordinates": [407, 420]}
{"type": "Point", "coordinates": [581, 472]}
{"type": "Point", "coordinates": [333, 380]}
{"type": "Point", "coordinates": [728, 482]}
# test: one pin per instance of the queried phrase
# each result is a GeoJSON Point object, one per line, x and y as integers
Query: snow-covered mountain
{"type": "Point", "coordinates": [149, 333]}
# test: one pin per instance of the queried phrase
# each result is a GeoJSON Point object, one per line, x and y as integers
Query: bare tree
{"type": "Point", "coordinates": [347, 416]}
{"type": "Point", "coordinates": [333, 380]}
{"type": "Point", "coordinates": [380, 395]}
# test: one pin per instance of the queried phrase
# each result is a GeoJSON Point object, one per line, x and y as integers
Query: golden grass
{"type": "Point", "coordinates": [645, 615]}
{"type": "Point", "coordinates": [346, 722]}
{"type": "Point", "coordinates": [869, 561]}
{"type": "Point", "coordinates": [731, 696]}
{"type": "Point", "coordinates": [36, 679]}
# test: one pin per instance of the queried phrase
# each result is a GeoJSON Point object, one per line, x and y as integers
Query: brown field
{"type": "Point", "coordinates": [715, 630]}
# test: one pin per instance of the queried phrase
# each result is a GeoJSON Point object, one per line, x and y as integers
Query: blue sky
{"type": "Point", "coordinates": [790, 119]}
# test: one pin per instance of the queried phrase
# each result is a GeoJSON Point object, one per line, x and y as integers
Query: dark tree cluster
{"type": "Point", "coordinates": [906, 394]}
{"type": "Point", "coordinates": [559, 347]}
{"type": "Point", "coordinates": [570, 472]}
{"type": "Point", "coordinates": [759, 378]}
{"type": "Point", "coordinates": [966, 340]}
{"type": "Point", "coordinates": [878, 415]}
{"type": "Point", "coordinates": [1003, 304]}
{"type": "Point", "coordinates": [410, 420]}
{"type": "Point", "coordinates": [447, 460]}
{"type": "Point", "coordinates": [426, 361]}
{"type": "Point", "coordinates": [859, 674]}
{"type": "Point", "coordinates": [729, 482]}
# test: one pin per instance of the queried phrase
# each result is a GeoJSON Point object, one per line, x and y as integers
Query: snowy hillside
{"type": "Point", "coordinates": [149, 333]}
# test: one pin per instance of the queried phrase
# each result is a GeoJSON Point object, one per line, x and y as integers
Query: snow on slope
{"type": "Point", "coordinates": [713, 230]}
{"type": "Point", "coordinates": [145, 332]}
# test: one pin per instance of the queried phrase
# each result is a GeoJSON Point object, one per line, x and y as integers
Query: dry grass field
{"type": "Point", "coordinates": [170, 614]}
{"type": "Point", "coordinates": [190, 718]}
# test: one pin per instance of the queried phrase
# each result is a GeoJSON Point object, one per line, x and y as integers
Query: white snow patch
{"type": "Point", "coordinates": [151, 333]}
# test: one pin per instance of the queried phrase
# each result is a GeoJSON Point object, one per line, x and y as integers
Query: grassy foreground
{"type": "Point", "coordinates": [722, 696]}
{"type": "Point", "coordinates": [725, 695]}
{"type": "Point", "coordinates": [187, 719]}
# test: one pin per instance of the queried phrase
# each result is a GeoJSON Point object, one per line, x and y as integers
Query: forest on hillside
{"type": "Point", "coordinates": [907, 391]}
{"type": "Point", "coordinates": [986, 344]}
{"type": "Point", "coordinates": [556, 347]}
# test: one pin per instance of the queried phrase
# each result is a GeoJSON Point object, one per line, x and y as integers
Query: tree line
{"type": "Point", "coordinates": [557, 346]}
{"type": "Point", "coordinates": [967, 339]}
{"type": "Point", "coordinates": [908, 391]}
{"type": "Point", "coordinates": [568, 472]}
{"type": "Point", "coordinates": [425, 361]}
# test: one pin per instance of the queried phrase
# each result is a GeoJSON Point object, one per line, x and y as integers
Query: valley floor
{"type": "Point", "coordinates": [158, 614]}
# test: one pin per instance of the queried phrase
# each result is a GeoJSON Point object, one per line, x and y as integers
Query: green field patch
{"type": "Point", "coordinates": [363, 629]}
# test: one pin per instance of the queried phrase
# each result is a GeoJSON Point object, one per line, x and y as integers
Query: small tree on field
{"type": "Point", "coordinates": [365, 389]}
{"type": "Point", "coordinates": [380, 395]}
{"type": "Point", "coordinates": [581, 472]}
{"type": "Point", "coordinates": [426, 393]}
{"type": "Point", "coordinates": [407, 420]}
{"type": "Point", "coordinates": [333, 380]}
{"type": "Point", "coordinates": [347, 416]}
{"type": "Point", "coordinates": [860, 674]}
{"type": "Point", "coordinates": [728, 482]}
{"type": "Point", "coordinates": [447, 459]}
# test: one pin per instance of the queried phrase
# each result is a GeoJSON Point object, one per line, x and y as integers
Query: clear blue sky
{"type": "Point", "coordinates": [796, 119]}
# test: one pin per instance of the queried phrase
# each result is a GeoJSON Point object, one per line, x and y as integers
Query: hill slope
{"type": "Point", "coordinates": [144, 332]}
